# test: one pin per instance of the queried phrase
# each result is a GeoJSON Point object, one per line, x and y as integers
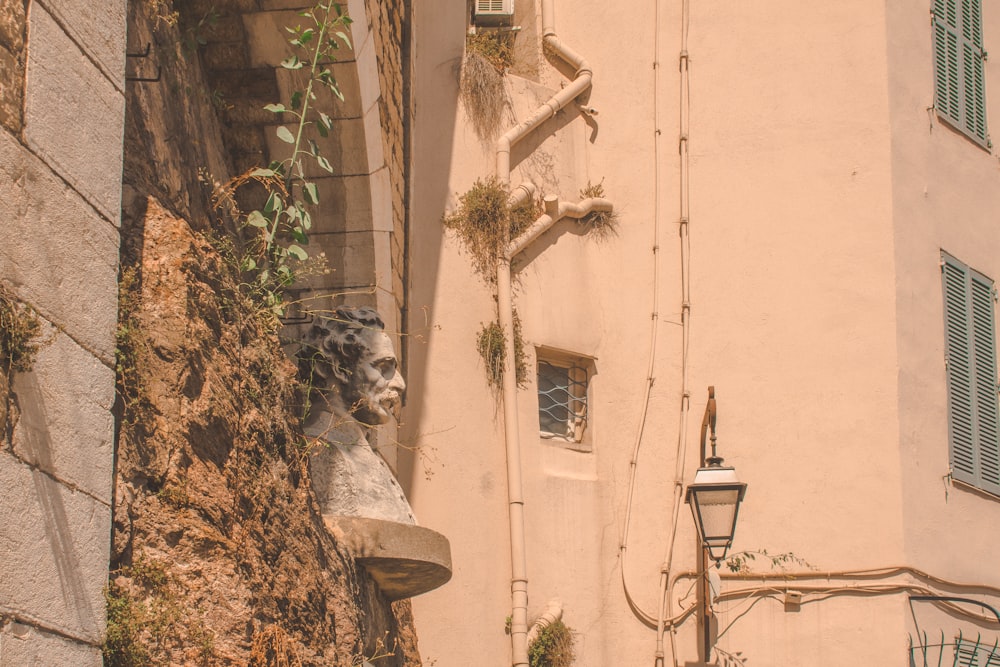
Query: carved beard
{"type": "Point", "coordinates": [370, 407]}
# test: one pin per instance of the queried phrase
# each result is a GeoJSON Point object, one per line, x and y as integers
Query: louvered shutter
{"type": "Point", "coordinates": [958, 357]}
{"type": "Point", "coordinates": [959, 72]}
{"type": "Point", "coordinates": [970, 346]}
{"type": "Point", "coordinates": [984, 356]}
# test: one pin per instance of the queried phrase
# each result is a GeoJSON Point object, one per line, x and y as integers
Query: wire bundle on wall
{"type": "Point", "coordinates": [660, 620]}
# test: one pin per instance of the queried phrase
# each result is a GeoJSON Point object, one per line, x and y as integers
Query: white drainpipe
{"type": "Point", "coordinates": [552, 614]}
{"type": "Point", "coordinates": [555, 210]}
{"type": "Point", "coordinates": [581, 82]}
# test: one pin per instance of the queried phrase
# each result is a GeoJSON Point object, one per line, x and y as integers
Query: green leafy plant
{"type": "Point", "coordinates": [278, 231]}
{"type": "Point", "coordinates": [740, 562]}
{"type": "Point", "coordinates": [727, 659]}
{"type": "Point", "coordinates": [553, 647]}
{"type": "Point", "coordinates": [193, 37]}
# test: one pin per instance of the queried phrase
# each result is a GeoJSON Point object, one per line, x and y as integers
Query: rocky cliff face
{"type": "Point", "coordinates": [219, 554]}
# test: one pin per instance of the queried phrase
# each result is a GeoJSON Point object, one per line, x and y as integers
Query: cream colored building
{"type": "Point", "coordinates": [786, 185]}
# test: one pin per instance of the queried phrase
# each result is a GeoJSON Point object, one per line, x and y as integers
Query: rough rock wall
{"type": "Point", "coordinates": [219, 552]}
{"type": "Point", "coordinates": [61, 114]}
{"type": "Point", "coordinates": [12, 24]}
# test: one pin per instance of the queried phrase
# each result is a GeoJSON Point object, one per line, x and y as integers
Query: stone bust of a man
{"type": "Point", "coordinates": [354, 383]}
{"type": "Point", "coordinates": [352, 367]}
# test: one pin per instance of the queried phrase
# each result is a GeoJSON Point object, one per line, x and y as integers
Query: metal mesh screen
{"type": "Point", "coordinates": [562, 400]}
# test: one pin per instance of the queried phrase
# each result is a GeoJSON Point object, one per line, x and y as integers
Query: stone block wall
{"type": "Point", "coordinates": [362, 222]}
{"type": "Point", "coordinates": [61, 123]}
{"type": "Point", "coordinates": [389, 25]}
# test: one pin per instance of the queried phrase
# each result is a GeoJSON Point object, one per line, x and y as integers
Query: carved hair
{"type": "Point", "coordinates": [335, 345]}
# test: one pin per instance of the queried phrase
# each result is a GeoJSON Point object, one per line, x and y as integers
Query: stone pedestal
{"type": "Point", "coordinates": [404, 559]}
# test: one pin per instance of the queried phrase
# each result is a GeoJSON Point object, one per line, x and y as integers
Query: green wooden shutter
{"type": "Point", "coordinates": [984, 354]}
{"type": "Point", "coordinates": [970, 346]}
{"type": "Point", "coordinates": [959, 72]}
{"type": "Point", "coordinates": [961, 419]}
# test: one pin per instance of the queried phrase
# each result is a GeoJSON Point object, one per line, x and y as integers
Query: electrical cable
{"type": "Point", "coordinates": [648, 619]}
{"type": "Point", "coordinates": [684, 122]}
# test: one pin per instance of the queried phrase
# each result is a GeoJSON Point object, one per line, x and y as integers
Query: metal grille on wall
{"type": "Point", "coordinates": [955, 644]}
{"type": "Point", "coordinates": [562, 400]}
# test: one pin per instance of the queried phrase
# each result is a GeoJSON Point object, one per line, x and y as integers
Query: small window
{"type": "Point", "coordinates": [562, 398]}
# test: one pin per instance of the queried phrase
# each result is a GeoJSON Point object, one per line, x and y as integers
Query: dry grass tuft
{"type": "Point", "coordinates": [491, 345]}
{"type": "Point", "coordinates": [487, 56]}
{"type": "Point", "coordinates": [602, 224]}
{"type": "Point", "coordinates": [553, 647]}
{"type": "Point", "coordinates": [483, 95]}
{"type": "Point", "coordinates": [485, 222]}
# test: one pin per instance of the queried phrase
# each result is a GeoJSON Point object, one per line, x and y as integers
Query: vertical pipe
{"type": "Point", "coordinates": [519, 577]}
{"type": "Point", "coordinates": [515, 496]}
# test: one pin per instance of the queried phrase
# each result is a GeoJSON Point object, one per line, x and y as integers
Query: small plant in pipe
{"type": "Point", "coordinates": [280, 228]}
{"type": "Point", "coordinates": [553, 647]}
{"type": "Point", "coordinates": [602, 224]}
{"type": "Point", "coordinates": [485, 222]}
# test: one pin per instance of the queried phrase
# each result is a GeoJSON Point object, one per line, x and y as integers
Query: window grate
{"type": "Point", "coordinates": [562, 400]}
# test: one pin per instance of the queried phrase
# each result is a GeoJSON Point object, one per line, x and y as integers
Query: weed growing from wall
{"type": "Point", "coordinates": [272, 647]}
{"type": "Point", "coordinates": [602, 224]}
{"type": "Point", "coordinates": [553, 647]}
{"type": "Point", "coordinates": [19, 345]}
{"type": "Point", "coordinates": [487, 57]}
{"type": "Point", "coordinates": [491, 345]}
{"type": "Point", "coordinates": [19, 331]}
{"type": "Point", "coordinates": [485, 222]}
{"type": "Point", "coordinates": [496, 47]}
{"type": "Point", "coordinates": [145, 611]}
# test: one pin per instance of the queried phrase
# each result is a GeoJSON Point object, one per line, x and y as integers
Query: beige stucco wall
{"type": "Point", "coordinates": [60, 177]}
{"type": "Point", "coordinates": [815, 312]}
{"type": "Point", "coordinates": [946, 191]}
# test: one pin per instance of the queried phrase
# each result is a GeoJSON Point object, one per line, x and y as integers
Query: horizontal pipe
{"type": "Point", "coordinates": [544, 222]}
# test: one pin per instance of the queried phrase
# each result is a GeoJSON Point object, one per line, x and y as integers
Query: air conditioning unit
{"type": "Point", "coordinates": [489, 13]}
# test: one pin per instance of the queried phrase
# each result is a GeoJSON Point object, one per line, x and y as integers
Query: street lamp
{"type": "Point", "coordinates": [715, 497]}
{"type": "Point", "coordinates": [716, 493]}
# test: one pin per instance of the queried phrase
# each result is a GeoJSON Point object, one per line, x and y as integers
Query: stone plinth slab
{"type": "Point", "coordinates": [404, 560]}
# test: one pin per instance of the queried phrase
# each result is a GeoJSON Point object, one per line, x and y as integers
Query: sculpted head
{"type": "Point", "coordinates": [350, 360]}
